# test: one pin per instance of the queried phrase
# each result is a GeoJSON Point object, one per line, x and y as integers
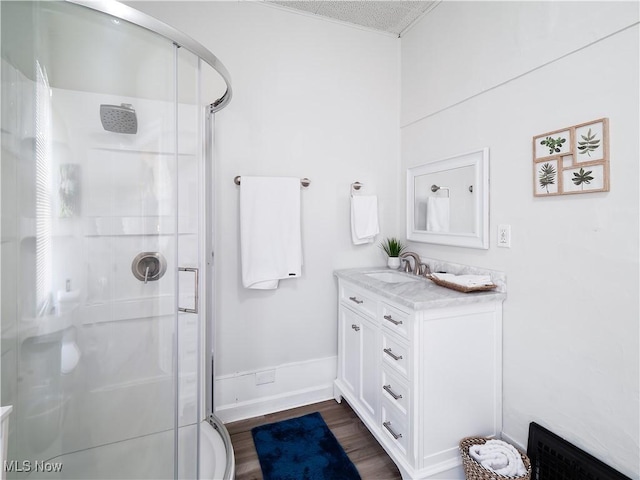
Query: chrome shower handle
{"type": "Point", "coordinates": [195, 293]}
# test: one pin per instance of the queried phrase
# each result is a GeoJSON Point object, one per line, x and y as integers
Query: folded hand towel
{"type": "Point", "coordinates": [499, 457]}
{"type": "Point", "coordinates": [364, 218]}
{"type": "Point", "coordinates": [437, 214]}
{"type": "Point", "coordinates": [270, 236]}
{"type": "Point", "coordinates": [464, 280]}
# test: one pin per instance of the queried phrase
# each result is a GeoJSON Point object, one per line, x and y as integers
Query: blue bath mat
{"type": "Point", "coordinates": [301, 448]}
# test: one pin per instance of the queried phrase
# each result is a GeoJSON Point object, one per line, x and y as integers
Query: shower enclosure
{"type": "Point", "coordinates": [107, 132]}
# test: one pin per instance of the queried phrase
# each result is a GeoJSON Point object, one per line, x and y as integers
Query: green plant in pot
{"type": "Point", "coordinates": [393, 248]}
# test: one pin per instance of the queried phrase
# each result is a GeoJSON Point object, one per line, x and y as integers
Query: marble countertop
{"type": "Point", "coordinates": [420, 294]}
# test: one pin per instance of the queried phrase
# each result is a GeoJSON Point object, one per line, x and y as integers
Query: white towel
{"type": "Point", "coordinates": [464, 280]}
{"type": "Point", "coordinates": [499, 457]}
{"type": "Point", "coordinates": [270, 238]}
{"type": "Point", "coordinates": [437, 214]}
{"type": "Point", "coordinates": [364, 219]}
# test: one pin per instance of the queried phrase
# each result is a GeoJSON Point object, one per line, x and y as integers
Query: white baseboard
{"type": "Point", "coordinates": [239, 396]}
{"type": "Point", "coordinates": [456, 473]}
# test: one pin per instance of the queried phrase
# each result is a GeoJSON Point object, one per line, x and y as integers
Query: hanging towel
{"type": "Point", "coordinates": [437, 214]}
{"type": "Point", "coordinates": [364, 218]}
{"type": "Point", "coordinates": [270, 237]}
{"type": "Point", "coordinates": [499, 457]}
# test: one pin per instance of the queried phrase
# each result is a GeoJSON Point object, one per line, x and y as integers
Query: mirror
{"type": "Point", "coordinates": [448, 201]}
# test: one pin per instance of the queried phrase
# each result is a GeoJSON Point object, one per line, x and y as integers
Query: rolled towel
{"type": "Point", "coordinates": [499, 457]}
{"type": "Point", "coordinates": [464, 280]}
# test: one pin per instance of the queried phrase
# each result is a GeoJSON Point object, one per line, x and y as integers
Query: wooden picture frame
{"type": "Point", "coordinates": [572, 160]}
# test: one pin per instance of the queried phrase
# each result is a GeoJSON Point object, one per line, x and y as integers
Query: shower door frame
{"type": "Point", "coordinates": [131, 15]}
{"type": "Point", "coordinates": [181, 40]}
{"type": "Point", "coordinates": [207, 217]}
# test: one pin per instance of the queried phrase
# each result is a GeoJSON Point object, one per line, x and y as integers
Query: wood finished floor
{"type": "Point", "coordinates": [364, 451]}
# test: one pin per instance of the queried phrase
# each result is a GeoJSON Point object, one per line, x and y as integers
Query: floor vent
{"type": "Point", "coordinates": [553, 458]}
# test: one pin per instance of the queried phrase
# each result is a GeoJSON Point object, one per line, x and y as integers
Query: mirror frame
{"type": "Point", "coordinates": [479, 159]}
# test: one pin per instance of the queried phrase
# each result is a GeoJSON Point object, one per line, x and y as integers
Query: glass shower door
{"type": "Point", "coordinates": [190, 244]}
{"type": "Point", "coordinates": [100, 209]}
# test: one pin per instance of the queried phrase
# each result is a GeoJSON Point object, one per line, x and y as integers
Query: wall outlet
{"type": "Point", "coordinates": [267, 376]}
{"type": "Point", "coordinates": [504, 236]}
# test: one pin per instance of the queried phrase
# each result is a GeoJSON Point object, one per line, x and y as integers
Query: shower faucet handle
{"type": "Point", "coordinates": [148, 266]}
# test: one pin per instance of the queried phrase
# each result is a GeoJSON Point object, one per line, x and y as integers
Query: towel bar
{"type": "Point", "coordinates": [305, 182]}
{"type": "Point", "coordinates": [435, 188]}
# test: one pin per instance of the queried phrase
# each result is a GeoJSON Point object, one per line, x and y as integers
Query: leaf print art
{"type": "Point", "coordinates": [574, 159]}
{"type": "Point", "coordinates": [547, 176]}
{"type": "Point", "coordinates": [589, 143]}
{"type": "Point", "coordinates": [582, 177]}
{"type": "Point", "coordinates": [555, 145]}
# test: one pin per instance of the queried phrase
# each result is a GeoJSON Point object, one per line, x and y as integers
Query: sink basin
{"type": "Point", "coordinates": [391, 277]}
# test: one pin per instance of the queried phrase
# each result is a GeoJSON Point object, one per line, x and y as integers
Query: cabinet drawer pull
{"type": "Point", "coordinates": [354, 299]}
{"type": "Point", "coordinates": [390, 318]}
{"type": "Point", "coordinates": [388, 427]}
{"type": "Point", "coordinates": [391, 354]}
{"type": "Point", "coordinates": [355, 327]}
{"type": "Point", "coordinates": [396, 396]}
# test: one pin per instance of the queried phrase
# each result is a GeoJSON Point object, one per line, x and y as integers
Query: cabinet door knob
{"type": "Point", "coordinates": [392, 320]}
{"type": "Point", "coordinates": [396, 396]}
{"type": "Point", "coordinates": [354, 299]}
{"type": "Point", "coordinates": [391, 354]}
{"type": "Point", "coordinates": [355, 327]}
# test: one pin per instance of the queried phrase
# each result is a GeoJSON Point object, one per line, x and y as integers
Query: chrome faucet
{"type": "Point", "coordinates": [407, 264]}
{"type": "Point", "coordinates": [419, 268]}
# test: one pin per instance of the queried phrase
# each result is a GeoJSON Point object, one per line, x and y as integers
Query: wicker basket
{"type": "Point", "coordinates": [460, 288]}
{"type": "Point", "coordinates": [474, 471]}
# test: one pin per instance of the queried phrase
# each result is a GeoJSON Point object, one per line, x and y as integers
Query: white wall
{"type": "Point", "coordinates": [495, 74]}
{"type": "Point", "coordinates": [318, 99]}
{"type": "Point", "coordinates": [312, 99]}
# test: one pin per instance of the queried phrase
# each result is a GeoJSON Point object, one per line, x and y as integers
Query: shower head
{"type": "Point", "coordinates": [119, 119]}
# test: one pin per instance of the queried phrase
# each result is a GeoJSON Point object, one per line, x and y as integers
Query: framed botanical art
{"type": "Point", "coordinates": [572, 160]}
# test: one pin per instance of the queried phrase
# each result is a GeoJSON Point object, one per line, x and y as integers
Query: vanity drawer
{"type": "Point", "coordinates": [395, 426]}
{"type": "Point", "coordinates": [395, 391]}
{"type": "Point", "coordinates": [395, 320]}
{"type": "Point", "coordinates": [358, 300]}
{"type": "Point", "coordinates": [395, 354]}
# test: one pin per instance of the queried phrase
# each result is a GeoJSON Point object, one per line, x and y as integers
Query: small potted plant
{"type": "Point", "coordinates": [393, 248]}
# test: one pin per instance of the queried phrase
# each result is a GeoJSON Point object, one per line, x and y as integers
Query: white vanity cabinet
{"type": "Point", "coordinates": [422, 371]}
{"type": "Point", "coordinates": [359, 342]}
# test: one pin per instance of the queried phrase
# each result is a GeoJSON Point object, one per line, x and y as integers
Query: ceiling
{"type": "Point", "coordinates": [393, 17]}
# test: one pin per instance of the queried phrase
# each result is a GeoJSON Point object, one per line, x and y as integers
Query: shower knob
{"type": "Point", "coordinates": [148, 266]}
